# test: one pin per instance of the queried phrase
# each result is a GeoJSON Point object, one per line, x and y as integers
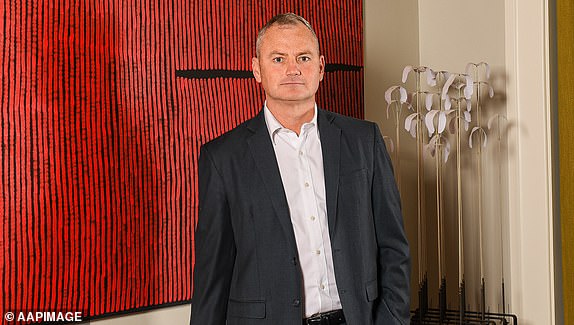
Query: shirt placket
{"type": "Point", "coordinates": [315, 223]}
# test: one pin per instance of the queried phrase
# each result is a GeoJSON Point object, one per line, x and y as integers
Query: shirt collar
{"type": "Point", "coordinates": [273, 126]}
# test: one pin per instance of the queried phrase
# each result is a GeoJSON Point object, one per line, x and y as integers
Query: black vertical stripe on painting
{"type": "Point", "coordinates": [136, 84]}
{"type": "Point", "coordinates": [134, 59]}
{"type": "Point", "coordinates": [144, 173]}
{"type": "Point", "coordinates": [60, 275]}
{"type": "Point", "coordinates": [220, 103]}
{"type": "Point", "coordinates": [146, 146]}
{"type": "Point", "coordinates": [17, 179]}
{"type": "Point", "coordinates": [173, 172]}
{"type": "Point", "coordinates": [38, 208]}
{"type": "Point", "coordinates": [54, 175]}
{"type": "Point", "coordinates": [40, 197]}
{"type": "Point", "coordinates": [203, 31]}
{"type": "Point", "coordinates": [214, 121]}
{"type": "Point", "coordinates": [138, 102]}
{"type": "Point", "coordinates": [194, 139]}
{"type": "Point", "coordinates": [73, 120]}
{"type": "Point", "coordinates": [180, 186]}
{"type": "Point", "coordinates": [161, 123]}
{"type": "Point", "coordinates": [104, 92]}
{"type": "Point", "coordinates": [82, 159]}
{"type": "Point", "coordinates": [169, 167]}
{"type": "Point", "coordinates": [29, 131]}
{"type": "Point", "coordinates": [23, 166]}
{"type": "Point", "coordinates": [94, 157]}
{"type": "Point", "coordinates": [88, 156]}
{"type": "Point", "coordinates": [115, 217]}
{"type": "Point", "coordinates": [153, 274]}
{"type": "Point", "coordinates": [141, 147]}
{"type": "Point", "coordinates": [7, 185]}
{"type": "Point", "coordinates": [109, 108]}
{"type": "Point", "coordinates": [108, 81]}
{"type": "Point", "coordinates": [71, 139]}
{"type": "Point", "coordinates": [217, 38]}
{"type": "Point", "coordinates": [186, 188]}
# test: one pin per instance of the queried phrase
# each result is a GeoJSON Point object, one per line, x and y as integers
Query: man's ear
{"type": "Point", "coordinates": [256, 69]}
{"type": "Point", "coordinates": [321, 66]}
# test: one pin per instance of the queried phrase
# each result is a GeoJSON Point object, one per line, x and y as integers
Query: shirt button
{"type": "Point", "coordinates": [300, 153]}
{"type": "Point", "coordinates": [322, 286]}
{"type": "Point", "coordinates": [296, 302]}
{"type": "Point", "coordinates": [306, 184]}
{"type": "Point", "coordinates": [317, 252]}
{"type": "Point", "coordinates": [312, 218]}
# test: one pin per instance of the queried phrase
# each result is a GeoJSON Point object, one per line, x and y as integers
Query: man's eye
{"type": "Point", "coordinates": [304, 58]}
{"type": "Point", "coordinates": [277, 60]}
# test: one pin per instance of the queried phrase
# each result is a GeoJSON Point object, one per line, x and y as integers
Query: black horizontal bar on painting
{"type": "Point", "coordinates": [245, 74]}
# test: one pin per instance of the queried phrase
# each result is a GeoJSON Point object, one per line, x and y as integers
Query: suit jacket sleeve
{"type": "Point", "coordinates": [392, 307]}
{"type": "Point", "coordinates": [214, 247]}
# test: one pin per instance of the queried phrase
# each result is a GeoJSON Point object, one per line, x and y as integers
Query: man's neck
{"type": "Point", "coordinates": [292, 116]}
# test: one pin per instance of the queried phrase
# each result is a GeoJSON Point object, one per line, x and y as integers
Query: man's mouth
{"type": "Point", "coordinates": [293, 83]}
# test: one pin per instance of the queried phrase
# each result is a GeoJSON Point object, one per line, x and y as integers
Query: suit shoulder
{"type": "Point", "coordinates": [229, 141]}
{"type": "Point", "coordinates": [352, 124]}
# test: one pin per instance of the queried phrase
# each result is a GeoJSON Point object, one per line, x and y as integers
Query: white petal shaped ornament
{"type": "Point", "coordinates": [409, 121]}
{"type": "Point", "coordinates": [485, 137]}
{"type": "Point", "coordinates": [487, 69]}
{"type": "Point", "coordinates": [446, 86]}
{"type": "Point", "coordinates": [406, 72]}
{"type": "Point", "coordinates": [471, 134]}
{"type": "Point", "coordinates": [467, 116]}
{"type": "Point", "coordinates": [468, 90]}
{"type": "Point", "coordinates": [429, 121]}
{"type": "Point", "coordinates": [389, 93]}
{"type": "Point", "coordinates": [441, 122]}
{"type": "Point", "coordinates": [413, 129]}
{"type": "Point", "coordinates": [428, 101]}
{"type": "Point", "coordinates": [431, 77]}
{"type": "Point", "coordinates": [403, 93]}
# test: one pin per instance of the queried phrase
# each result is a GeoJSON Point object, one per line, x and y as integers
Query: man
{"type": "Point", "coordinates": [299, 215]}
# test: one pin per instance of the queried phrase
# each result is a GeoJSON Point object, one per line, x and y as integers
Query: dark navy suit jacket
{"type": "Point", "coordinates": [246, 265]}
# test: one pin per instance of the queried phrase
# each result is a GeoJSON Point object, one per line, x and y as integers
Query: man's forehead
{"type": "Point", "coordinates": [311, 46]}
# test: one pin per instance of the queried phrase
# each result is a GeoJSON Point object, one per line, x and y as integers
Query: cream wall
{"type": "Point", "coordinates": [513, 37]}
{"type": "Point", "coordinates": [444, 35]}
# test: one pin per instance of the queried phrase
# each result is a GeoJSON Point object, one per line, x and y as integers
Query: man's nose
{"type": "Point", "coordinates": [293, 68]}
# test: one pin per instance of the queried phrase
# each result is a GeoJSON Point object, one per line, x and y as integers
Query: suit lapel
{"type": "Point", "coordinates": [331, 148]}
{"type": "Point", "coordinates": [263, 153]}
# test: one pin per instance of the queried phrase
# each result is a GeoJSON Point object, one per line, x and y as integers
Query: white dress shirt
{"type": "Point", "coordinates": [300, 162]}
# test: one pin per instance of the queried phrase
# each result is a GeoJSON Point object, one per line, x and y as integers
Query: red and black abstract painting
{"type": "Point", "coordinates": [103, 107]}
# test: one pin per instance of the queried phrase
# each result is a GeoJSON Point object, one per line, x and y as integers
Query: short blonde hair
{"type": "Point", "coordinates": [284, 19]}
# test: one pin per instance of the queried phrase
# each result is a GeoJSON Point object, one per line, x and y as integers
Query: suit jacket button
{"type": "Point", "coordinates": [294, 261]}
{"type": "Point", "coordinates": [296, 302]}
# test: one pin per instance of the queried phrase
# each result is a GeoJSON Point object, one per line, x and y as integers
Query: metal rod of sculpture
{"type": "Point", "coordinates": [462, 84]}
{"type": "Point", "coordinates": [479, 130]}
{"type": "Point", "coordinates": [414, 125]}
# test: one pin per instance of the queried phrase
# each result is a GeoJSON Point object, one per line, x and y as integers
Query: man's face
{"type": "Point", "coordinates": [289, 66]}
